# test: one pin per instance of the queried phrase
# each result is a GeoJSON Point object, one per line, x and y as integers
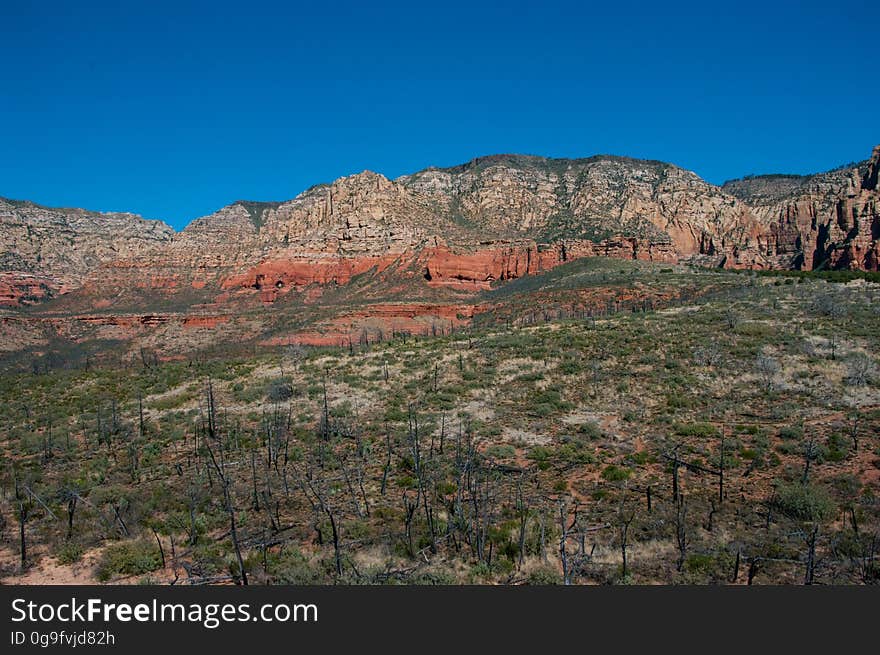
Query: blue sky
{"type": "Point", "coordinates": [172, 110]}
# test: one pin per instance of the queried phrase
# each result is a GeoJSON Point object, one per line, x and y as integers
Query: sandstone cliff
{"type": "Point", "coordinates": [47, 251]}
{"type": "Point", "coordinates": [466, 227]}
{"type": "Point", "coordinates": [828, 220]}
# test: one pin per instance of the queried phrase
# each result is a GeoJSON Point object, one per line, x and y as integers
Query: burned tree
{"type": "Point", "coordinates": [219, 463]}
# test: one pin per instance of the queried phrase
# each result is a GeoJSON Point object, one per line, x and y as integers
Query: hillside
{"type": "Point", "coordinates": [605, 422]}
{"type": "Point", "coordinates": [434, 240]}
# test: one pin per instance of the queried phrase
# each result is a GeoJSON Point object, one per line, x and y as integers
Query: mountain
{"type": "Point", "coordinates": [365, 252]}
{"type": "Point", "coordinates": [829, 220]}
{"type": "Point", "coordinates": [501, 216]}
{"type": "Point", "coordinates": [45, 252]}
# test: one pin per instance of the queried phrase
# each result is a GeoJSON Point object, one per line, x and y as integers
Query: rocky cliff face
{"type": "Point", "coordinates": [45, 251]}
{"type": "Point", "coordinates": [463, 228]}
{"type": "Point", "coordinates": [595, 199]}
{"type": "Point", "coordinates": [495, 218]}
{"type": "Point", "coordinates": [829, 220]}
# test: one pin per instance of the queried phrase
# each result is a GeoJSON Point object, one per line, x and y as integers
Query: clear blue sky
{"type": "Point", "coordinates": [172, 110]}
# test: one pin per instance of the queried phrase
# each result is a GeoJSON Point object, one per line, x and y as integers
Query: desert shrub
{"type": "Point", "coordinates": [172, 401]}
{"type": "Point", "coordinates": [548, 401]}
{"type": "Point", "coordinates": [279, 390]}
{"type": "Point", "coordinates": [749, 453]}
{"type": "Point", "coordinates": [640, 457]}
{"type": "Point", "coordinates": [212, 556]}
{"type": "Point", "coordinates": [614, 473]}
{"type": "Point", "coordinates": [861, 370]}
{"type": "Point", "coordinates": [804, 502]}
{"type": "Point", "coordinates": [846, 485]}
{"type": "Point", "coordinates": [406, 482]}
{"type": "Point", "coordinates": [69, 552]}
{"type": "Point", "coordinates": [128, 558]}
{"type": "Point", "coordinates": [708, 355]}
{"type": "Point", "coordinates": [292, 567]}
{"type": "Point", "coordinates": [575, 451]}
{"type": "Point", "coordinates": [708, 567]}
{"type": "Point", "coordinates": [544, 575]}
{"type": "Point", "coordinates": [699, 563]}
{"type": "Point", "coordinates": [679, 401]}
{"type": "Point", "coordinates": [791, 432]}
{"type": "Point", "coordinates": [500, 451]}
{"type": "Point", "coordinates": [790, 448]}
{"type": "Point", "coordinates": [541, 455]}
{"type": "Point", "coordinates": [589, 430]}
{"type": "Point", "coordinates": [731, 461]}
{"type": "Point", "coordinates": [838, 447]}
{"type": "Point", "coordinates": [433, 577]}
{"type": "Point", "coordinates": [829, 304]}
{"type": "Point", "coordinates": [570, 367]}
{"type": "Point", "coordinates": [443, 399]}
{"type": "Point", "coordinates": [394, 414]}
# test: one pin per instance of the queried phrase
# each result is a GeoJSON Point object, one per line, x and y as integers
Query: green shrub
{"type": "Point", "coordinates": [500, 451]}
{"type": "Point", "coordinates": [678, 401]}
{"type": "Point", "coordinates": [614, 473]}
{"type": "Point", "coordinates": [541, 456]}
{"type": "Point", "coordinates": [838, 447]}
{"type": "Point", "coordinates": [292, 567]}
{"type": "Point", "coordinates": [69, 552]}
{"type": "Point", "coordinates": [804, 502]}
{"type": "Point", "coordinates": [279, 390]}
{"type": "Point", "coordinates": [547, 402]}
{"type": "Point", "coordinates": [543, 576]}
{"type": "Point", "coordinates": [699, 563]}
{"type": "Point", "coordinates": [128, 558]}
{"type": "Point", "coordinates": [590, 430]}
{"type": "Point", "coordinates": [641, 457]}
{"type": "Point", "coordinates": [702, 568]}
{"type": "Point", "coordinates": [570, 367]}
{"type": "Point", "coordinates": [430, 578]}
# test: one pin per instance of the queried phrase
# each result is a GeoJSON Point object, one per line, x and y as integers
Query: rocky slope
{"type": "Point", "coordinates": [366, 256]}
{"type": "Point", "coordinates": [492, 219]}
{"type": "Point", "coordinates": [462, 229]}
{"type": "Point", "coordinates": [828, 220]}
{"type": "Point", "coordinates": [44, 252]}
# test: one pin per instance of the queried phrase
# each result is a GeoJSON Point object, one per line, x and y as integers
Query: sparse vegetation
{"type": "Point", "coordinates": [596, 438]}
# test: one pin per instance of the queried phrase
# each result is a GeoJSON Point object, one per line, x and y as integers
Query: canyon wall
{"type": "Point", "coordinates": [463, 228]}
{"type": "Point", "coordinates": [830, 220]}
{"type": "Point", "coordinates": [45, 252]}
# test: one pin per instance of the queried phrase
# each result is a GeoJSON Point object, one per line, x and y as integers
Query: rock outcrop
{"type": "Point", "coordinates": [45, 252]}
{"type": "Point", "coordinates": [594, 199]}
{"type": "Point", "coordinates": [829, 220]}
{"type": "Point", "coordinates": [462, 228]}
{"type": "Point", "coordinates": [497, 262]}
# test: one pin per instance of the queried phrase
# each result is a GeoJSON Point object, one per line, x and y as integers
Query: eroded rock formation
{"type": "Point", "coordinates": [461, 229]}
{"type": "Point", "coordinates": [830, 220]}
{"type": "Point", "coordinates": [44, 252]}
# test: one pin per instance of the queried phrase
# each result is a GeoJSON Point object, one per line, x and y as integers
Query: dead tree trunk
{"type": "Point", "coordinates": [625, 522]}
{"type": "Point", "coordinates": [681, 537]}
{"type": "Point", "coordinates": [219, 464]}
{"type": "Point", "coordinates": [810, 570]}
